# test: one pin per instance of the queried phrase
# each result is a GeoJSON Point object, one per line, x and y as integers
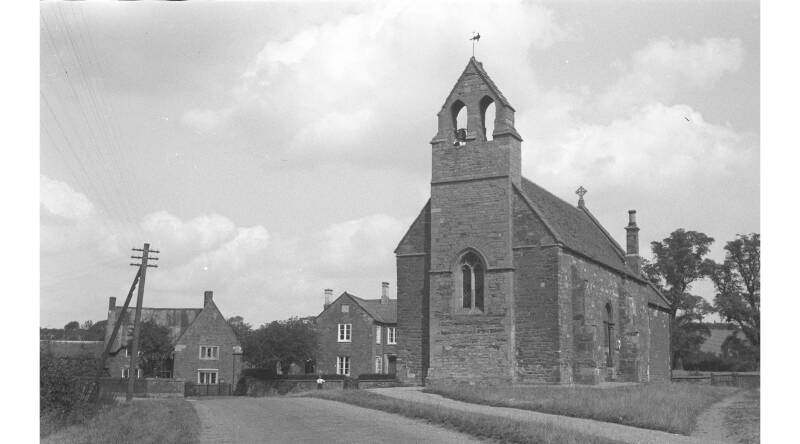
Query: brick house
{"type": "Point", "coordinates": [500, 280]}
{"type": "Point", "coordinates": [206, 350]}
{"type": "Point", "coordinates": [357, 336]}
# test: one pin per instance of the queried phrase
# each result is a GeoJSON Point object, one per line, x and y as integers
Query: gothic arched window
{"type": "Point", "coordinates": [472, 271]}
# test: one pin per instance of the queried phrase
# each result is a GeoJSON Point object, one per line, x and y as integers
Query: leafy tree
{"type": "Point", "coordinates": [280, 342]}
{"type": "Point", "coordinates": [72, 325]}
{"type": "Point", "coordinates": [678, 263]}
{"type": "Point", "coordinates": [87, 324]}
{"type": "Point", "coordinates": [738, 283]}
{"type": "Point", "coordinates": [240, 327]}
{"type": "Point", "coordinates": [97, 332]}
{"type": "Point", "coordinates": [156, 348]}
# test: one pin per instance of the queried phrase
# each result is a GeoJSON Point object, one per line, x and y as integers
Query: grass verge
{"type": "Point", "coordinates": [742, 419]}
{"type": "Point", "coordinates": [140, 421]}
{"type": "Point", "coordinates": [481, 426]}
{"type": "Point", "coordinates": [668, 407]}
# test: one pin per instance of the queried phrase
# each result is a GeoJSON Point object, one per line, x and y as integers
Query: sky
{"type": "Point", "coordinates": [272, 150]}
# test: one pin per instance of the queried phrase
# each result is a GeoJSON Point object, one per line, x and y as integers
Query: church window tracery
{"type": "Point", "coordinates": [472, 274]}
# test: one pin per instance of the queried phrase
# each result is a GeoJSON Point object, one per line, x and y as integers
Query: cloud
{"type": "Point", "coordinates": [61, 200]}
{"type": "Point", "coordinates": [326, 82]}
{"type": "Point", "coordinates": [360, 244]}
{"type": "Point", "coordinates": [657, 140]}
{"type": "Point", "coordinates": [206, 120]}
{"type": "Point", "coordinates": [202, 232]}
{"type": "Point", "coordinates": [656, 72]}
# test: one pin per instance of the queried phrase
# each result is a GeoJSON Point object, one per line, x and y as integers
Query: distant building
{"type": "Point", "coordinates": [500, 280]}
{"type": "Point", "coordinates": [357, 336]}
{"type": "Point", "coordinates": [207, 350]}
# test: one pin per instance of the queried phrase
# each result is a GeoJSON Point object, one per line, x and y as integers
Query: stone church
{"type": "Point", "coordinates": [501, 281]}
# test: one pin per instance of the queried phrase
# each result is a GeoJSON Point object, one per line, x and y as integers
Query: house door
{"type": "Point", "coordinates": [392, 365]}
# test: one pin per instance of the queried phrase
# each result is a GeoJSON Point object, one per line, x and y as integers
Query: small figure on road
{"type": "Point", "coordinates": [320, 381]}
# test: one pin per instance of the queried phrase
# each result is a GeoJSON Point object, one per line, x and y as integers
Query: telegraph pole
{"type": "Point", "coordinates": [134, 350]}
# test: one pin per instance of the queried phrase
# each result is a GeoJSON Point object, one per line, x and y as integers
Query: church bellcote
{"type": "Point", "coordinates": [476, 136]}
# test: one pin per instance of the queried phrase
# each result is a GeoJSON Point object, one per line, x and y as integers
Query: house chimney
{"type": "Point", "coordinates": [632, 251]}
{"type": "Point", "coordinates": [112, 303]}
{"type": "Point", "coordinates": [384, 291]}
{"type": "Point", "coordinates": [208, 296]}
{"type": "Point", "coordinates": [328, 296]}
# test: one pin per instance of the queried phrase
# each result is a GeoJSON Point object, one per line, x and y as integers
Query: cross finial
{"type": "Point", "coordinates": [581, 191]}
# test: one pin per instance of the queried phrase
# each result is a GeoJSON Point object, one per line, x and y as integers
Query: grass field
{"type": "Point", "coordinates": [481, 426]}
{"type": "Point", "coordinates": [668, 407]}
{"type": "Point", "coordinates": [141, 421]}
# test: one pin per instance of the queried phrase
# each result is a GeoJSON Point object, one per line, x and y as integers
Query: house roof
{"type": "Point", "coordinates": [383, 313]}
{"type": "Point", "coordinates": [177, 320]}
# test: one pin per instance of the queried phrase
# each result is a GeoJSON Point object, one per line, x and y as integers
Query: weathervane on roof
{"type": "Point", "coordinates": [581, 191]}
{"type": "Point", "coordinates": [476, 36]}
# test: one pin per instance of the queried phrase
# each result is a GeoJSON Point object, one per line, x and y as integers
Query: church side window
{"type": "Point", "coordinates": [471, 282]}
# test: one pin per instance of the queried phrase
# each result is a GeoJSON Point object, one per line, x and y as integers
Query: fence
{"type": "Point", "coordinates": [142, 388]}
{"type": "Point", "coordinates": [192, 389]}
{"type": "Point", "coordinates": [743, 380]}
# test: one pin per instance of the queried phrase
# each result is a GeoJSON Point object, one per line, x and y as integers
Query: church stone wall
{"type": "Point", "coordinates": [473, 347]}
{"type": "Point", "coordinates": [659, 368]}
{"type": "Point", "coordinates": [412, 318]}
{"type": "Point", "coordinates": [586, 288]}
{"type": "Point", "coordinates": [536, 300]}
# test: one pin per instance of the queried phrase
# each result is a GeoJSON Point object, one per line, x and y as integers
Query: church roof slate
{"type": "Point", "coordinates": [578, 230]}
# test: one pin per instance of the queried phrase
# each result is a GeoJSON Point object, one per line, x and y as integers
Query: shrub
{"type": "Point", "coordinates": [710, 362]}
{"type": "Point", "coordinates": [60, 390]}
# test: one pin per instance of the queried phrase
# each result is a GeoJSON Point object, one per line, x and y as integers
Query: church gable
{"type": "Point", "coordinates": [417, 238]}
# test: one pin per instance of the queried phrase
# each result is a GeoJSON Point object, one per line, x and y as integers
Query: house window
{"type": "Point", "coordinates": [207, 376]}
{"type": "Point", "coordinates": [209, 352]}
{"type": "Point", "coordinates": [343, 365]}
{"type": "Point", "coordinates": [378, 334]}
{"type": "Point", "coordinates": [471, 274]}
{"type": "Point", "coordinates": [344, 332]}
{"type": "Point", "coordinates": [126, 373]}
{"type": "Point", "coordinates": [391, 335]}
{"type": "Point", "coordinates": [378, 364]}
{"type": "Point", "coordinates": [345, 308]}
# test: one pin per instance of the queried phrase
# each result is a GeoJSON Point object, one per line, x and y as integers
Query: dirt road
{"type": "Point", "coordinates": [307, 420]}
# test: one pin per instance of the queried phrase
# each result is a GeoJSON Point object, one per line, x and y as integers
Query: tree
{"type": "Point", "coordinates": [72, 325]}
{"type": "Point", "coordinates": [283, 342]}
{"type": "Point", "coordinates": [678, 263]}
{"type": "Point", "coordinates": [87, 324]}
{"type": "Point", "coordinates": [97, 332]}
{"type": "Point", "coordinates": [156, 348]}
{"type": "Point", "coordinates": [738, 283]}
{"type": "Point", "coordinates": [240, 327]}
